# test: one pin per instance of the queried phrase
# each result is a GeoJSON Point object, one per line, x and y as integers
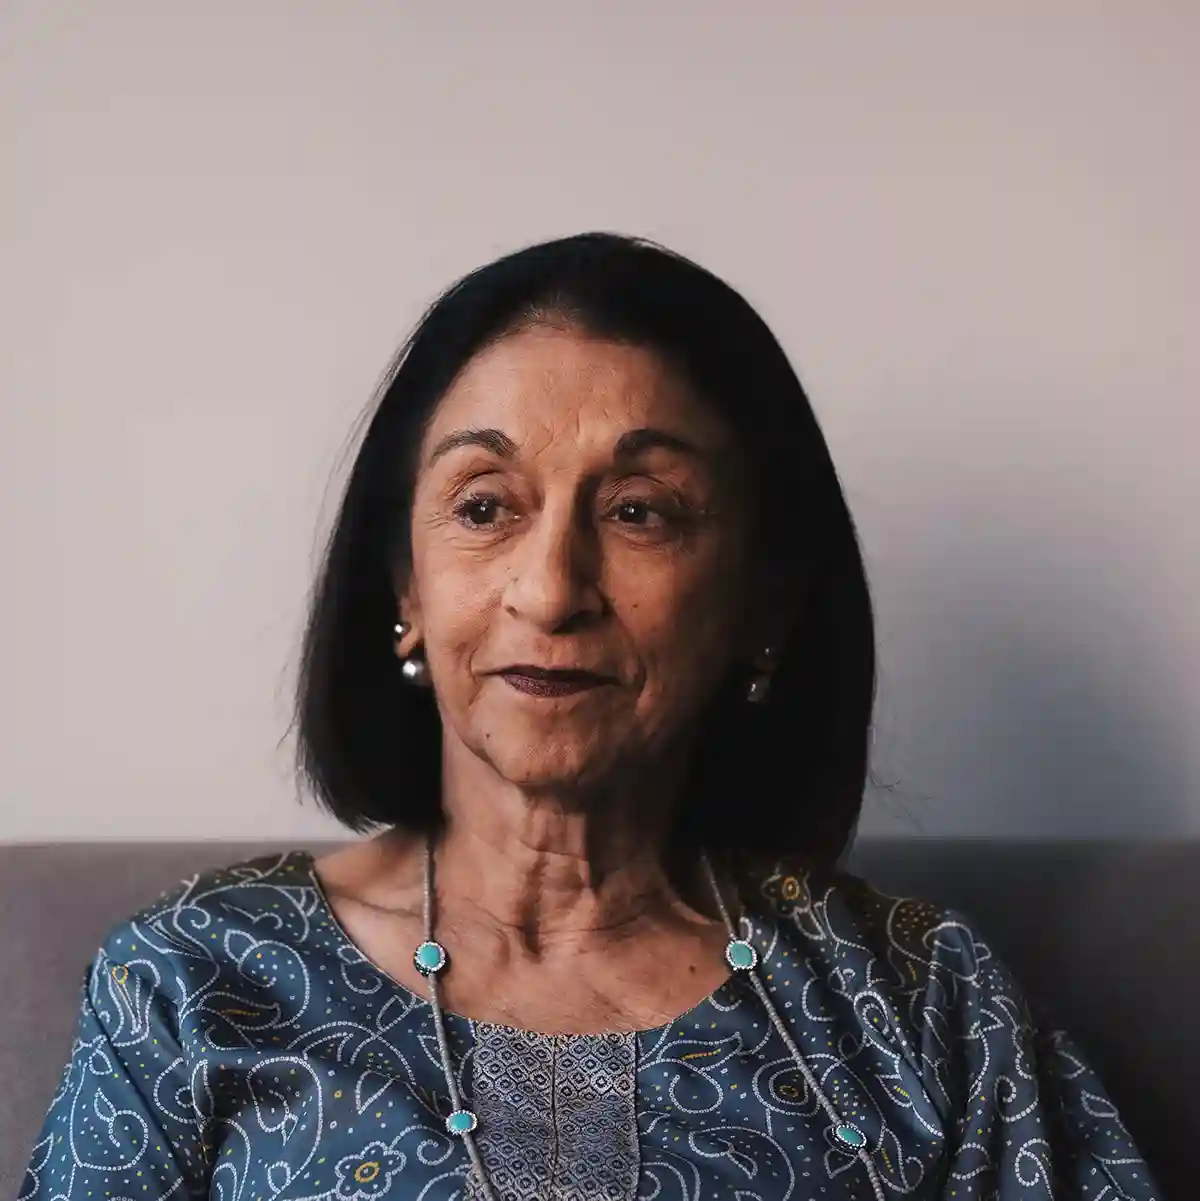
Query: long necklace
{"type": "Point", "coordinates": [431, 958]}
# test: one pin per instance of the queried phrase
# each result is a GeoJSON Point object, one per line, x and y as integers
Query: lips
{"type": "Point", "coordinates": [548, 682]}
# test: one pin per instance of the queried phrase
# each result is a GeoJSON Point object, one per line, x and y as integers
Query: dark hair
{"type": "Point", "coordinates": [786, 776]}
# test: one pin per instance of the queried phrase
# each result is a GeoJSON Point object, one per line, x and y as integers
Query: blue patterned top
{"type": "Point", "coordinates": [234, 1043]}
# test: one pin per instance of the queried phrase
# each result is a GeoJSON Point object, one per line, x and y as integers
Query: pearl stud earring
{"type": "Point", "coordinates": [760, 684]}
{"type": "Point", "coordinates": [414, 668]}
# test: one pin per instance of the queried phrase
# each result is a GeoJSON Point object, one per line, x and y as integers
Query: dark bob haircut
{"type": "Point", "coordinates": [783, 777]}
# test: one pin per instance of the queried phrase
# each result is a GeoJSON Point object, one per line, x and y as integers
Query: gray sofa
{"type": "Point", "coordinates": [1108, 937]}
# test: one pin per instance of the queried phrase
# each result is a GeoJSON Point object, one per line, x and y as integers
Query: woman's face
{"type": "Point", "coordinates": [579, 568]}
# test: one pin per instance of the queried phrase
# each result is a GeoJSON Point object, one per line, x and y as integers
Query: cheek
{"type": "Point", "coordinates": [683, 618]}
{"type": "Point", "coordinates": [457, 594]}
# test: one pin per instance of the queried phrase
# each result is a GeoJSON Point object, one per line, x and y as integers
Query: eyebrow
{"type": "Point", "coordinates": [629, 445]}
{"type": "Point", "coordinates": [495, 441]}
{"type": "Point", "coordinates": [637, 442]}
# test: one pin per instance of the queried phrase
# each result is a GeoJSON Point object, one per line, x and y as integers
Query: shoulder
{"type": "Point", "coordinates": [258, 908]}
{"type": "Point", "coordinates": [928, 955]}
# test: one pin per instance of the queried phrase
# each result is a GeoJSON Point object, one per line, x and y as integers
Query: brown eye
{"type": "Point", "coordinates": [644, 517]}
{"type": "Point", "coordinates": [634, 512]}
{"type": "Point", "coordinates": [478, 512]}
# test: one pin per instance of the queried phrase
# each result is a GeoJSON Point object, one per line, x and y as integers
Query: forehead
{"type": "Point", "coordinates": [550, 388]}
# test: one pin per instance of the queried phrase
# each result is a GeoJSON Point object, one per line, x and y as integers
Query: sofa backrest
{"type": "Point", "coordinates": [1106, 937]}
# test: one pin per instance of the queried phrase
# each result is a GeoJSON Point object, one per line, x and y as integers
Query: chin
{"type": "Point", "coordinates": [555, 777]}
{"type": "Point", "coordinates": [557, 770]}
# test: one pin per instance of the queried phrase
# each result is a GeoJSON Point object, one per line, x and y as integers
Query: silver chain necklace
{"type": "Point", "coordinates": [430, 959]}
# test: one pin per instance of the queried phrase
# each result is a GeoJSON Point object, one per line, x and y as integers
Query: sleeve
{"type": "Point", "coordinates": [1032, 1119]}
{"type": "Point", "coordinates": [121, 1126]}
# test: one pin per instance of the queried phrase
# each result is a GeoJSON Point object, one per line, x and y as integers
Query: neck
{"type": "Point", "coordinates": [554, 870]}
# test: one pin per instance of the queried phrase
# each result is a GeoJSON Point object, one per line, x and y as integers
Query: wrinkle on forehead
{"type": "Point", "coordinates": [549, 389]}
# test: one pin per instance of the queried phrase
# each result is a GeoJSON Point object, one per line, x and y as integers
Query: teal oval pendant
{"type": "Point", "coordinates": [461, 1121]}
{"type": "Point", "coordinates": [847, 1137]}
{"type": "Point", "coordinates": [430, 957]}
{"type": "Point", "coordinates": [741, 955]}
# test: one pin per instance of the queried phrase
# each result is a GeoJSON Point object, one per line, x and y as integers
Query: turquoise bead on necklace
{"type": "Point", "coordinates": [741, 955]}
{"type": "Point", "coordinates": [430, 957]}
{"type": "Point", "coordinates": [847, 1137]}
{"type": "Point", "coordinates": [461, 1121]}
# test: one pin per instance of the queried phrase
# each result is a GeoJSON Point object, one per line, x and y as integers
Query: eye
{"type": "Point", "coordinates": [656, 516]}
{"type": "Point", "coordinates": [480, 511]}
{"type": "Point", "coordinates": [660, 516]}
{"type": "Point", "coordinates": [636, 512]}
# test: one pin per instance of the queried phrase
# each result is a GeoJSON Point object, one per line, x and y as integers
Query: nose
{"type": "Point", "coordinates": [554, 577]}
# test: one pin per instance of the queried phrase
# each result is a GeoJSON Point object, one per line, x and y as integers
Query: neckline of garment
{"type": "Point", "coordinates": [725, 996]}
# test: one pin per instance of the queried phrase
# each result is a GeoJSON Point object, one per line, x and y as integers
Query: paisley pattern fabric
{"type": "Point", "coordinates": [233, 1043]}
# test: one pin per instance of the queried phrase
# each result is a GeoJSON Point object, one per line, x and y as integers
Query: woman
{"type": "Point", "coordinates": [599, 946]}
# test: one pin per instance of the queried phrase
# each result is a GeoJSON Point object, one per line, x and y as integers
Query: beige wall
{"type": "Point", "coordinates": [974, 226]}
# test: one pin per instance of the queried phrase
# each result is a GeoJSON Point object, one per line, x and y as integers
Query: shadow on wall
{"type": "Point", "coordinates": [1035, 692]}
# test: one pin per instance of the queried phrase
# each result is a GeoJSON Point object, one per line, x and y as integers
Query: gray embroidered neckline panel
{"type": "Point", "coordinates": [556, 1114]}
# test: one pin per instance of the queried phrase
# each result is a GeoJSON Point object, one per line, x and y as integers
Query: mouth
{"type": "Point", "coordinates": [541, 681]}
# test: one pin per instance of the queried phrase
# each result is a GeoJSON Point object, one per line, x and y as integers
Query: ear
{"type": "Point", "coordinates": [773, 619]}
{"type": "Point", "coordinates": [408, 612]}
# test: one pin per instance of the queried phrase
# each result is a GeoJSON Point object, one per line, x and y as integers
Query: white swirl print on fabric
{"type": "Point", "coordinates": [234, 1044]}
